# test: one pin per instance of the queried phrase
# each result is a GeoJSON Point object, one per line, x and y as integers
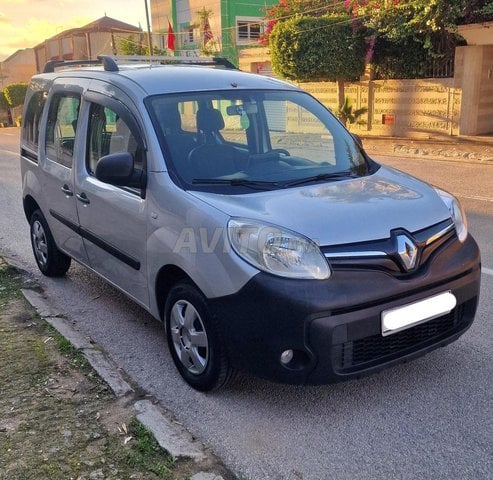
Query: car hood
{"type": "Point", "coordinates": [338, 212]}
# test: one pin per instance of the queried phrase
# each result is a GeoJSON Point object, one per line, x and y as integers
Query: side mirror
{"type": "Point", "coordinates": [117, 169]}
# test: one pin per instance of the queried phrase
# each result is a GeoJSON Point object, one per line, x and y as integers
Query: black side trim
{"type": "Point", "coordinates": [115, 252]}
{"type": "Point", "coordinates": [29, 155]}
{"type": "Point", "coordinates": [65, 221]}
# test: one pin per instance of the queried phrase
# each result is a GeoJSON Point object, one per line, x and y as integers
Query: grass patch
{"type": "Point", "coordinates": [146, 453]}
{"type": "Point", "coordinates": [76, 357]}
{"type": "Point", "coordinates": [10, 284]}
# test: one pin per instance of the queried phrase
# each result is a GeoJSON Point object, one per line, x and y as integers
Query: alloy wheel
{"type": "Point", "coordinates": [189, 337]}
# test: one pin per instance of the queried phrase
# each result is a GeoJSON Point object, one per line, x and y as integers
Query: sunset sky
{"type": "Point", "coordinates": [25, 23]}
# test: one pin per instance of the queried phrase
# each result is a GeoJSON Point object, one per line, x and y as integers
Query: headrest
{"type": "Point", "coordinates": [169, 117]}
{"type": "Point", "coordinates": [209, 120]}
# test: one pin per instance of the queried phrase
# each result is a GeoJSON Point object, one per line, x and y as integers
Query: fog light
{"type": "Point", "coordinates": [286, 356]}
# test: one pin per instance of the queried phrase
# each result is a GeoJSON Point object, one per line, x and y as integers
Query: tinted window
{"type": "Point", "coordinates": [60, 128]}
{"type": "Point", "coordinates": [109, 133]}
{"type": "Point", "coordinates": [30, 127]}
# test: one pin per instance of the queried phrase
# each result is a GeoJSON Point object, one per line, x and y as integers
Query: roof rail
{"type": "Point", "coordinates": [161, 59]}
{"type": "Point", "coordinates": [110, 62]}
{"type": "Point", "coordinates": [52, 64]}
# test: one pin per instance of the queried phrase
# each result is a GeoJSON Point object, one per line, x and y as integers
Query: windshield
{"type": "Point", "coordinates": [236, 140]}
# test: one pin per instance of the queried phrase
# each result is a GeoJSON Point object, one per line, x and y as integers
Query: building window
{"type": "Point", "coordinates": [187, 34]}
{"type": "Point", "coordinates": [189, 31]}
{"type": "Point", "coordinates": [248, 29]}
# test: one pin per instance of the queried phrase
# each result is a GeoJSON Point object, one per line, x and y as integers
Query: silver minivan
{"type": "Point", "coordinates": [240, 212]}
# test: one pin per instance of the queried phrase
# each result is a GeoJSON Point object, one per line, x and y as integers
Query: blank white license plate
{"type": "Point", "coordinates": [397, 319]}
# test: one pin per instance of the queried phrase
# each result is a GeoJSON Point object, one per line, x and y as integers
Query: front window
{"type": "Point", "coordinates": [109, 133]}
{"type": "Point", "coordinates": [253, 139]}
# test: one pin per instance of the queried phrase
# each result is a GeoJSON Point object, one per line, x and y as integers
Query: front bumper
{"type": "Point", "coordinates": [334, 325]}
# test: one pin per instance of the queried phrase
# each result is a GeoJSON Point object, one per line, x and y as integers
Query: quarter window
{"type": "Point", "coordinates": [109, 133]}
{"type": "Point", "coordinates": [30, 127]}
{"type": "Point", "coordinates": [61, 127]}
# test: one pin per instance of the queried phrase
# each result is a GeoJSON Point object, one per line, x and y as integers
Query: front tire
{"type": "Point", "coordinates": [51, 261]}
{"type": "Point", "coordinates": [194, 340]}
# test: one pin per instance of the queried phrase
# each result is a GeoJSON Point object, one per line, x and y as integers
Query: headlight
{"type": "Point", "coordinates": [456, 212]}
{"type": "Point", "coordinates": [277, 250]}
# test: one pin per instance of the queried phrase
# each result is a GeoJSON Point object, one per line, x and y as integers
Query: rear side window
{"type": "Point", "coordinates": [30, 127]}
{"type": "Point", "coordinates": [61, 127]}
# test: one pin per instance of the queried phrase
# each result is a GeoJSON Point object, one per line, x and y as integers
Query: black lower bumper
{"type": "Point", "coordinates": [334, 326]}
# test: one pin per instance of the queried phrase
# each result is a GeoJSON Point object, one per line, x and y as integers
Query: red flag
{"type": "Point", "coordinates": [207, 31]}
{"type": "Point", "coordinates": [171, 37]}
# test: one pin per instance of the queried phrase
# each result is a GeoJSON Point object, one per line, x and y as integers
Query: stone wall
{"type": "Point", "coordinates": [415, 108]}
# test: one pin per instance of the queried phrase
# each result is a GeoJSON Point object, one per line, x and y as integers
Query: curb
{"type": "Point", "coordinates": [170, 435]}
{"type": "Point", "coordinates": [106, 369]}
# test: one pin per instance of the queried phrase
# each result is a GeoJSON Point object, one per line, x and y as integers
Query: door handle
{"type": "Point", "coordinates": [66, 190]}
{"type": "Point", "coordinates": [82, 197]}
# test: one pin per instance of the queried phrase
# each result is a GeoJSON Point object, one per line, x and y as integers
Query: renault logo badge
{"type": "Point", "coordinates": [407, 251]}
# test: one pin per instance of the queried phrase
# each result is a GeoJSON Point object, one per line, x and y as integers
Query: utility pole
{"type": "Point", "coordinates": [148, 28]}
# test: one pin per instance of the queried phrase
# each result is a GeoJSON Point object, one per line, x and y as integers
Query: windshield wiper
{"type": "Point", "coordinates": [322, 176]}
{"type": "Point", "coordinates": [235, 182]}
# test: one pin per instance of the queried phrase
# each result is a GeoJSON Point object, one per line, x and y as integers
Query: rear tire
{"type": "Point", "coordinates": [194, 339]}
{"type": "Point", "coordinates": [51, 261]}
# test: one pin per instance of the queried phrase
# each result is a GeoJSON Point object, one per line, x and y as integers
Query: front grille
{"type": "Point", "coordinates": [373, 350]}
{"type": "Point", "coordinates": [382, 254]}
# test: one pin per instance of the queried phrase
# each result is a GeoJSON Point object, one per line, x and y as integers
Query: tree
{"type": "Point", "coordinates": [290, 8]}
{"type": "Point", "coordinates": [407, 37]}
{"type": "Point", "coordinates": [208, 45]}
{"type": "Point", "coordinates": [326, 48]}
{"type": "Point", "coordinates": [131, 46]}
{"type": "Point", "coordinates": [419, 20]}
{"type": "Point", "coordinates": [15, 94]}
{"type": "Point", "coordinates": [3, 102]}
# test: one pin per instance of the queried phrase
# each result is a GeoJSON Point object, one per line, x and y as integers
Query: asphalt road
{"type": "Point", "coordinates": [431, 418]}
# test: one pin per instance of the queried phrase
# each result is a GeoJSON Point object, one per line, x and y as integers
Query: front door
{"type": "Point", "coordinates": [113, 219]}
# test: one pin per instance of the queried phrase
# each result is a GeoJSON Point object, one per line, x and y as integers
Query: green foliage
{"type": "Point", "coordinates": [311, 49]}
{"type": "Point", "coordinates": [403, 19]}
{"type": "Point", "coordinates": [74, 355]}
{"type": "Point", "coordinates": [346, 113]}
{"type": "Point", "coordinates": [405, 58]}
{"type": "Point", "coordinates": [487, 9]}
{"type": "Point", "coordinates": [146, 454]}
{"type": "Point", "coordinates": [3, 102]}
{"type": "Point", "coordinates": [132, 46]}
{"type": "Point", "coordinates": [476, 11]}
{"type": "Point", "coordinates": [289, 8]}
{"type": "Point", "coordinates": [15, 94]}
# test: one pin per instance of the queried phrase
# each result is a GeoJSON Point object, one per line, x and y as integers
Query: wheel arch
{"type": "Point", "coordinates": [167, 277]}
{"type": "Point", "coordinates": [30, 206]}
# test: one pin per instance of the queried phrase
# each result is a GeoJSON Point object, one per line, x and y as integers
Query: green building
{"type": "Point", "coordinates": [214, 27]}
